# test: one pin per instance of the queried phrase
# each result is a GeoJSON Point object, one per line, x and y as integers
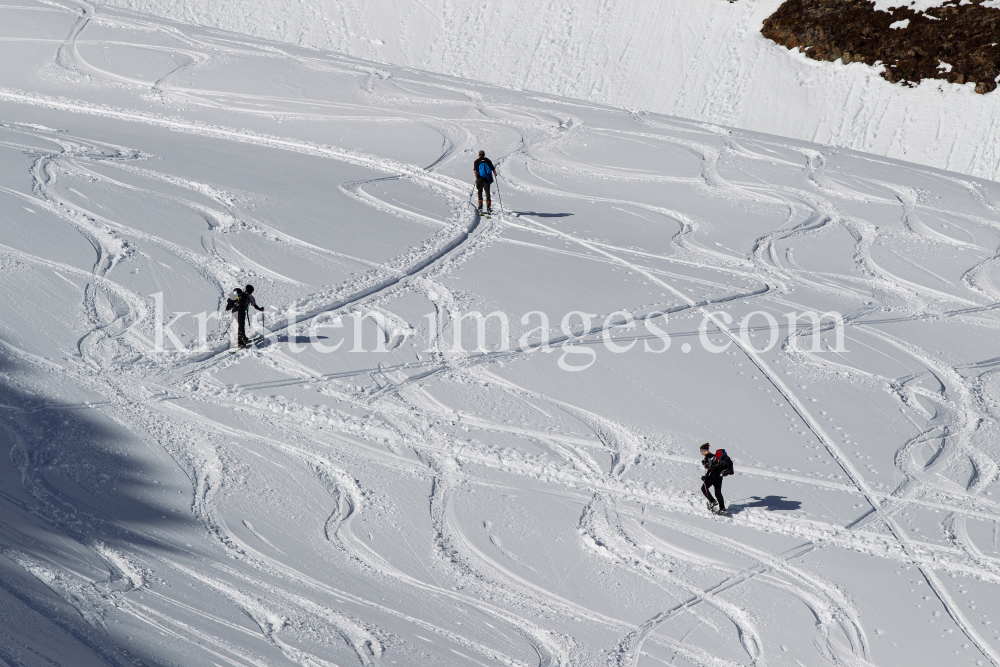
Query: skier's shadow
{"type": "Point", "coordinates": [770, 503]}
{"type": "Point", "coordinates": [298, 340]}
{"type": "Point", "coordinates": [543, 215]}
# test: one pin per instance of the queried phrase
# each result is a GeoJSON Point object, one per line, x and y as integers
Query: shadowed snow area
{"type": "Point", "coordinates": [408, 498]}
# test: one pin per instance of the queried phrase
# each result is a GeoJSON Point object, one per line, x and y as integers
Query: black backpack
{"type": "Point", "coordinates": [723, 463]}
{"type": "Point", "coordinates": [233, 304]}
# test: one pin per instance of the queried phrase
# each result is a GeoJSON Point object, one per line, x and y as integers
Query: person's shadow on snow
{"type": "Point", "coordinates": [298, 340]}
{"type": "Point", "coordinates": [771, 503]}
{"type": "Point", "coordinates": [543, 215]}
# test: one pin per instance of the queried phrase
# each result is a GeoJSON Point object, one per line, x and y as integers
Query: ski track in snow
{"type": "Point", "coordinates": [350, 531]}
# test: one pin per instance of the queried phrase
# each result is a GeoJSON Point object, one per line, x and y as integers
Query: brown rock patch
{"type": "Point", "coordinates": [967, 37]}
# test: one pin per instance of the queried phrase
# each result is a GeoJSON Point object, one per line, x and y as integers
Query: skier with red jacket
{"type": "Point", "coordinates": [717, 466]}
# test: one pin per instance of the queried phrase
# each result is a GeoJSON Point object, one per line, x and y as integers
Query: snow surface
{"type": "Point", "coordinates": [699, 59]}
{"type": "Point", "coordinates": [436, 505]}
{"type": "Point", "coordinates": [915, 5]}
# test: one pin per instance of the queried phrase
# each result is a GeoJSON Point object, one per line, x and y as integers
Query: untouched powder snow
{"type": "Point", "coordinates": [385, 481]}
{"type": "Point", "coordinates": [915, 5]}
{"type": "Point", "coordinates": [699, 59]}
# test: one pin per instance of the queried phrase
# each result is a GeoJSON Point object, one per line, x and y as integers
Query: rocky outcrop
{"type": "Point", "coordinates": [956, 42]}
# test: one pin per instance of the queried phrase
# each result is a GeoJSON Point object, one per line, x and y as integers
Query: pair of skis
{"type": "Point", "coordinates": [488, 215]}
{"type": "Point", "coordinates": [256, 340]}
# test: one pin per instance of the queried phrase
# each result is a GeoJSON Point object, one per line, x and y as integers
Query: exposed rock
{"type": "Point", "coordinates": [957, 43]}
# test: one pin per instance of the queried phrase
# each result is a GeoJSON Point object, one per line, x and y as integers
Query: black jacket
{"type": "Point", "coordinates": [475, 168]}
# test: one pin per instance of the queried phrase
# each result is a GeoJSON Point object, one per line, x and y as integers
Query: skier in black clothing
{"type": "Point", "coordinates": [484, 170]}
{"type": "Point", "coordinates": [717, 466]}
{"type": "Point", "coordinates": [242, 306]}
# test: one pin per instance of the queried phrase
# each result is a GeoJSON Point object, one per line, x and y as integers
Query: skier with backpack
{"type": "Point", "coordinates": [484, 170]}
{"type": "Point", "coordinates": [239, 302]}
{"type": "Point", "coordinates": [717, 466]}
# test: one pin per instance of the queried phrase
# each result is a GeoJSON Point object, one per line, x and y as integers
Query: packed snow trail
{"type": "Point", "coordinates": [415, 495]}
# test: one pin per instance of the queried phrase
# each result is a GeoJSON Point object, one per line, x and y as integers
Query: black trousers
{"type": "Point", "coordinates": [483, 184]}
{"type": "Point", "coordinates": [714, 481]}
{"type": "Point", "coordinates": [241, 320]}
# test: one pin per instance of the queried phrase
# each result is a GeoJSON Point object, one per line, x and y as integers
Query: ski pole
{"type": "Point", "coordinates": [498, 194]}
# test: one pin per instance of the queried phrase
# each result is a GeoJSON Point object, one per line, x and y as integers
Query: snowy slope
{"type": "Point", "coordinates": [699, 59]}
{"type": "Point", "coordinates": [409, 499]}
